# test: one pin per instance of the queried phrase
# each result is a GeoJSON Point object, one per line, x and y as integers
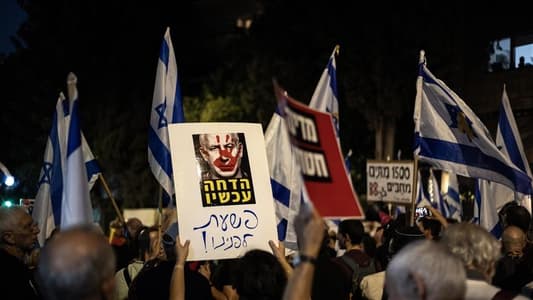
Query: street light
{"type": "Point", "coordinates": [9, 180]}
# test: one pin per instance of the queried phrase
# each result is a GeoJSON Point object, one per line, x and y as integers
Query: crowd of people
{"type": "Point", "coordinates": [434, 258]}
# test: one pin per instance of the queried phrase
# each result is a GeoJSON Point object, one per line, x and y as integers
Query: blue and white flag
{"type": "Point", "coordinates": [491, 196]}
{"type": "Point", "coordinates": [47, 210]}
{"type": "Point", "coordinates": [509, 142]}
{"type": "Point", "coordinates": [449, 136]}
{"type": "Point", "coordinates": [348, 162]}
{"type": "Point", "coordinates": [76, 207]}
{"type": "Point", "coordinates": [167, 108]}
{"type": "Point", "coordinates": [285, 179]}
{"type": "Point", "coordinates": [325, 97]}
{"type": "Point", "coordinates": [422, 196]}
{"type": "Point", "coordinates": [436, 197]}
{"type": "Point", "coordinates": [452, 197]}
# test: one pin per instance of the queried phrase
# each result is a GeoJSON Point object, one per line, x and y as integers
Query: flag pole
{"type": "Point", "coordinates": [418, 102]}
{"type": "Point", "coordinates": [160, 207]}
{"type": "Point", "coordinates": [160, 211]}
{"type": "Point", "coordinates": [110, 195]}
{"type": "Point", "coordinates": [413, 195]}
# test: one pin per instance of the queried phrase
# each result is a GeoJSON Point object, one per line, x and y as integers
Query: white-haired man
{"type": "Point", "coordinates": [425, 270]}
{"type": "Point", "coordinates": [479, 251]}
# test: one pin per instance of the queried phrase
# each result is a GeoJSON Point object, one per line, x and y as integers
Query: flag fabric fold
{"type": "Point", "coordinates": [325, 97]}
{"type": "Point", "coordinates": [167, 108]}
{"type": "Point", "coordinates": [76, 207]}
{"type": "Point", "coordinates": [48, 206]}
{"type": "Point", "coordinates": [285, 176]}
{"type": "Point", "coordinates": [437, 198]}
{"type": "Point", "coordinates": [285, 179]}
{"type": "Point", "coordinates": [491, 196]}
{"type": "Point", "coordinates": [449, 136]}
{"type": "Point", "coordinates": [452, 198]}
{"type": "Point", "coordinates": [422, 196]}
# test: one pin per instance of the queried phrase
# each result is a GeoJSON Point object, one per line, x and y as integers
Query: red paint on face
{"type": "Point", "coordinates": [228, 155]}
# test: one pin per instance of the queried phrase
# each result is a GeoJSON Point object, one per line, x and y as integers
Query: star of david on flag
{"type": "Point", "coordinates": [467, 150]}
{"type": "Point", "coordinates": [75, 170]}
{"type": "Point", "coordinates": [166, 107]}
{"type": "Point", "coordinates": [490, 197]}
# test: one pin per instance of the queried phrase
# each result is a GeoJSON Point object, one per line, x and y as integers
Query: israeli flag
{"type": "Point", "coordinates": [449, 136]}
{"type": "Point", "coordinates": [285, 179]}
{"type": "Point", "coordinates": [76, 207]}
{"type": "Point", "coordinates": [491, 196]}
{"type": "Point", "coordinates": [325, 97]}
{"type": "Point", "coordinates": [452, 198]}
{"type": "Point", "coordinates": [47, 208]}
{"type": "Point", "coordinates": [166, 108]}
{"type": "Point", "coordinates": [422, 196]}
{"type": "Point", "coordinates": [436, 197]}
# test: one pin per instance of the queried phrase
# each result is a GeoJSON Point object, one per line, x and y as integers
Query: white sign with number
{"type": "Point", "coordinates": [390, 181]}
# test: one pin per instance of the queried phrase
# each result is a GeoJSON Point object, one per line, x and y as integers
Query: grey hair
{"type": "Point", "coordinates": [75, 263]}
{"type": "Point", "coordinates": [475, 246]}
{"type": "Point", "coordinates": [9, 217]}
{"type": "Point", "coordinates": [442, 274]}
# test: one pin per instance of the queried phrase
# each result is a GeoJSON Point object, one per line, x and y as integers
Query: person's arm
{"type": "Point", "coordinates": [177, 283]}
{"type": "Point", "coordinates": [437, 216]}
{"type": "Point", "coordinates": [310, 231]}
{"type": "Point", "coordinates": [279, 253]}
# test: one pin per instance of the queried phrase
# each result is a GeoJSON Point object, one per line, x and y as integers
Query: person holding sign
{"type": "Point", "coordinates": [223, 153]}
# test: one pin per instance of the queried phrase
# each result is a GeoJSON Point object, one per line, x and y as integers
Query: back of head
{"type": "Point", "coordinates": [145, 242]}
{"type": "Point", "coordinates": [513, 240]}
{"type": "Point", "coordinates": [425, 270]}
{"type": "Point", "coordinates": [259, 276]}
{"type": "Point", "coordinates": [354, 229]}
{"type": "Point", "coordinates": [77, 263]}
{"type": "Point", "coordinates": [434, 226]}
{"type": "Point", "coordinates": [402, 236]}
{"type": "Point", "coordinates": [475, 246]}
{"type": "Point", "coordinates": [519, 216]}
{"type": "Point", "coordinates": [134, 225]}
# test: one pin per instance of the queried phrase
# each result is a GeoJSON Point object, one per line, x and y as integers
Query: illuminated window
{"type": "Point", "coordinates": [500, 55]}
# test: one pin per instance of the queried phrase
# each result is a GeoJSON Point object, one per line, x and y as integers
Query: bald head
{"type": "Point", "coordinates": [513, 240]}
{"type": "Point", "coordinates": [77, 263]}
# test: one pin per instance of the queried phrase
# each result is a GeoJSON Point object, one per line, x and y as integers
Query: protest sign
{"type": "Point", "coordinates": [315, 145]}
{"type": "Point", "coordinates": [223, 195]}
{"type": "Point", "coordinates": [390, 181]}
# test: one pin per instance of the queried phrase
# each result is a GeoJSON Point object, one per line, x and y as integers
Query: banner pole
{"type": "Point", "coordinates": [415, 190]}
{"type": "Point", "coordinates": [160, 206]}
{"type": "Point", "coordinates": [110, 195]}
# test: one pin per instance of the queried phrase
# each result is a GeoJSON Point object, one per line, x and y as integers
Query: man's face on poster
{"type": "Point", "coordinates": [222, 152]}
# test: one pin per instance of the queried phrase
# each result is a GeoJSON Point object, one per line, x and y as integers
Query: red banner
{"type": "Point", "coordinates": [318, 153]}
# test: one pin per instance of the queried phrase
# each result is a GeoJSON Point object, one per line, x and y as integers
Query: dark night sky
{"type": "Point", "coordinates": [11, 16]}
{"type": "Point", "coordinates": [377, 22]}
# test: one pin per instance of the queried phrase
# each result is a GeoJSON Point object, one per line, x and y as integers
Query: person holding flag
{"type": "Point", "coordinates": [166, 108]}
{"type": "Point", "coordinates": [69, 170]}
